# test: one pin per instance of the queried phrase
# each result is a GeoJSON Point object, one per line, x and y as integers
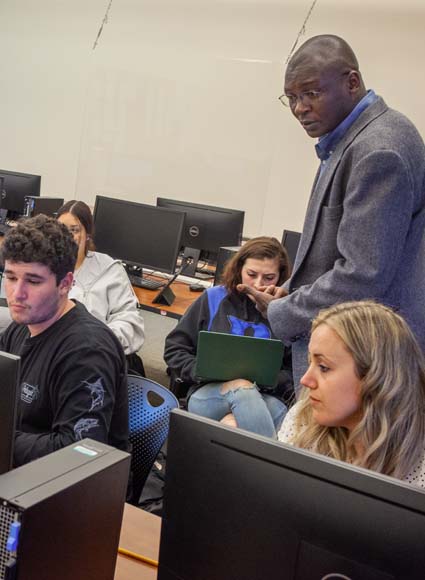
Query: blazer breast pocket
{"type": "Point", "coordinates": [331, 213]}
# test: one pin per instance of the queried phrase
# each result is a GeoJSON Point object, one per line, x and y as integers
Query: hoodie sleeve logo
{"type": "Point", "coordinates": [29, 393]}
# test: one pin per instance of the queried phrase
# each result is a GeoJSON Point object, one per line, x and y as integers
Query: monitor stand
{"type": "Point", "coordinates": [191, 257]}
{"type": "Point", "coordinates": [166, 296]}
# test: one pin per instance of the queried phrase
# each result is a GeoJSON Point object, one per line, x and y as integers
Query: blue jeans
{"type": "Point", "coordinates": [253, 411]}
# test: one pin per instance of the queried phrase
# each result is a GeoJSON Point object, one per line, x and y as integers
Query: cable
{"type": "Point", "coordinates": [137, 556]}
{"type": "Point", "coordinates": [301, 31]}
{"type": "Point", "coordinates": [104, 21]}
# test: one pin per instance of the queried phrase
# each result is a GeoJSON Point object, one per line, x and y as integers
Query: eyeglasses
{"type": "Point", "coordinates": [306, 98]}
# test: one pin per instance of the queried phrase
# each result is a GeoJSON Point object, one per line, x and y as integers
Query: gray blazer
{"type": "Point", "coordinates": [363, 234]}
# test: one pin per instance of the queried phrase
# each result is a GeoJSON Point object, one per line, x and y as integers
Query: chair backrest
{"type": "Point", "coordinates": [149, 406]}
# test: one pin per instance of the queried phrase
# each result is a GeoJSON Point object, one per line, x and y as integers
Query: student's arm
{"type": "Point", "coordinates": [124, 317]}
{"type": "Point", "coordinates": [181, 343]}
{"type": "Point", "coordinates": [112, 300]}
{"type": "Point", "coordinates": [82, 398]}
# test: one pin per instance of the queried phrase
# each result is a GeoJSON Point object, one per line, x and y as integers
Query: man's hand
{"type": "Point", "coordinates": [263, 296]}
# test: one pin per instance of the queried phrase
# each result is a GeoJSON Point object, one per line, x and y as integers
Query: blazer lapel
{"type": "Point", "coordinates": [321, 184]}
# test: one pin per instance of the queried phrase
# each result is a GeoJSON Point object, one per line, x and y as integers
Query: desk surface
{"type": "Point", "coordinates": [184, 298]}
{"type": "Point", "coordinates": [140, 533]}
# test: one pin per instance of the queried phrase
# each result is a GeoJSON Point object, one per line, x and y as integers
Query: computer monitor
{"type": "Point", "coordinates": [9, 376]}
{"type": "Point", "coordinates": [239, 505]}
{"type": "Point", "coordinates": [49, 206]}
{"type": "Point", "coordinates": [14, 187]}
{"type": "Point", "coordinates": [291, 241]}
{"type": "Point", "coordinates": [143, 236]}
{"type": "Point", "coordinates": [207, 227]}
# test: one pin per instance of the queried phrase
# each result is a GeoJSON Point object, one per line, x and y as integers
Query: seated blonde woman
{"type": "Point", "coordinates": [363, 399]}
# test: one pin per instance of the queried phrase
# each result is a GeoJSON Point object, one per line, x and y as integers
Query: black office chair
{"type": "Point", "coordinates": [178, 387]}
{"type": "Point", "coordinates": [149, 406]}
{"type": "Point", "coordinates": [135, 365]}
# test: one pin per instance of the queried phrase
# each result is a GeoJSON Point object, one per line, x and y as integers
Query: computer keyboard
{"type": "Point", "coordinates": [205, 270]}
{"type": "Point", "coordinates": [146, 283]}
{"type": "Point", "coordinates": [204, 275]}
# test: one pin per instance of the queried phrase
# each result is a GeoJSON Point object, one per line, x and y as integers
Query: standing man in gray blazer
{"type": "Point", "coordinates": [363, 234]}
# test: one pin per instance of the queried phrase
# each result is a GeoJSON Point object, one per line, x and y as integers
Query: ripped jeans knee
{"type": "Point", "coordinates": [253, 411]}
{"type": "Point", "coordinates": [236, 384]}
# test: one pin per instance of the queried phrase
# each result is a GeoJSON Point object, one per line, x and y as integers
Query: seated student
{"type": "Point", "coordinates": [101, 284]}
{"type": "Point", "coordinates": [260, 262]}
{"type": "Point", "coordinates": [364, 392]}
{"type": "Point", "coordinates": [73, 369]}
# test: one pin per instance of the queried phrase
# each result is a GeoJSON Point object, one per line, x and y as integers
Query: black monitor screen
{"type": "Point", "coordinates": [46, 205]}
{"type": "Point", "coordinates": [139, 234]}
{"type": "Point", "coordinates": [14, 187]}
{"type": "Point", "coordinates": [241, 506]}
{"type": "Point", "coordinates": [206, 227]}
{"type": "Point", "coordinates": [9, 376]}
{"type": "Point", "coordinates": [291, 241]}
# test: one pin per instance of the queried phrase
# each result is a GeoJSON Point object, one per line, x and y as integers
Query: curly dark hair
{"type": "Point", "coordinates": [258, 248]}
{"type": "Point", "coordinates": [82, 212]}
{"type": "Point", "coordinates": [43, 240]}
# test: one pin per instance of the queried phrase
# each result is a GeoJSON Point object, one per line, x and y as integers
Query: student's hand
{"type": "Point", "coordinates": [263, 296]}
{"type": "Point", "coordinates": [275, 291]}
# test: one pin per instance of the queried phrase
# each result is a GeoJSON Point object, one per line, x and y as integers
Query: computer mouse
{"type": "Point", "coordinates": [196, 288]}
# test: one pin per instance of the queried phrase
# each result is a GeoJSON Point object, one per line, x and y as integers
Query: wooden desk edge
{"type": "Point", "coordinates": [183, 299]}
{"type": "Point", "coordinates": [140, 533]}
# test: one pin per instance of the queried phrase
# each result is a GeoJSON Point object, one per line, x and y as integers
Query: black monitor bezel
{"type": "Point", "coordinates": [191, 242]}
{"type": "Point", "coordinates": [170, 268]}
{"type": "Point", "coordinates": [202, 453]}
{"type": "Point", "coordinates": [17, 206]}
{"type": "Point", "coordinates": [291, 241]}
{"type": "Point", "coordinates": [9, 396]}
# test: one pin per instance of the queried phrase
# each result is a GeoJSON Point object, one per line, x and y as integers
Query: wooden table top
{"type": "Point", "coordinates": [184, 298]}
{"type": "Point", "coordinates": [140, 533]}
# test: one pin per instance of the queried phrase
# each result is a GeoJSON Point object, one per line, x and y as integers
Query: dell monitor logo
{"type": "Point", "coordinates": [194, 231]}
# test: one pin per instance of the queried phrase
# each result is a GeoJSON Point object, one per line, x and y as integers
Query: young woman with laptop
{"type": "Point", "coordinates": [260, 262]}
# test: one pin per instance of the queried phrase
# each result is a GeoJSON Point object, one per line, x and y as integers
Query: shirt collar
{"type": "Point", "coordinates": [327, 143]}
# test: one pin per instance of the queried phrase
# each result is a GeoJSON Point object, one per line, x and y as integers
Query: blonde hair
{"type": "Point", "coordinates": [391, 367]}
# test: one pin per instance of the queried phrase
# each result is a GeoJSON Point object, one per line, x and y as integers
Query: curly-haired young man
{"type": "Point", "coordinates": [73, 372]}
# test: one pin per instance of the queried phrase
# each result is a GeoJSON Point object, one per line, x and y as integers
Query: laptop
{"type": "Point", "coordinates": [223, 357]}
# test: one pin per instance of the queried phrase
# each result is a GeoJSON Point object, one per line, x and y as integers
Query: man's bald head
{"type": "Point", "coordinates": [324, 52]}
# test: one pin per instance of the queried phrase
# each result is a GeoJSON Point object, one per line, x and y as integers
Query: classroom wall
{"type": "Point", "coordinates": [179, 98]}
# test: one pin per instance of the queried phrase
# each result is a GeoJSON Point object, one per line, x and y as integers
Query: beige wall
{"type": "Point", "coordinates": [180, 97]}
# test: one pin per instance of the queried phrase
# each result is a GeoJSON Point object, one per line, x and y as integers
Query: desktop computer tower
{"type": "Point", "coordinates": [34, 205]}
{"type": "Point", "coordinates": [224, 255]}
{"type": "Point", "coordinates": [60, 516]}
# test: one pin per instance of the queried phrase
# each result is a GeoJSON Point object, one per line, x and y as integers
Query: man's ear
{"type": "Point", "coordinates": [354, 81]}
{"type": "Point", "coordinates": [66, 283]}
